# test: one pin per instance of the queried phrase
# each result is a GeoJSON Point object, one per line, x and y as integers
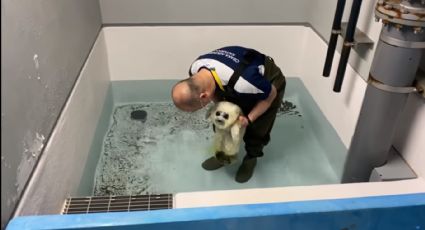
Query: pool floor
{"type": "Point", "coordinates": [162, 150]}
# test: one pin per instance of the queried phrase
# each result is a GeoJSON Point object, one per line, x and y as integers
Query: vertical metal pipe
{"type": "Point", "coordinates": [336, 30]}
{"type": "Point", "coordinates": [393, 66]}
{"type": "Point", "coordinates": [348, 43]}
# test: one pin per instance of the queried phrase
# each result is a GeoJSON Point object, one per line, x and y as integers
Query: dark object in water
{"type": "Point", "coordinates": [288, 108]}
{"type": "Point", "coordinates": [139, 115]}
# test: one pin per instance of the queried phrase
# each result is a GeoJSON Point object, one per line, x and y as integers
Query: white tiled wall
{"type": "Point", "coordinates": [166, 52]}
{"type": "Point", "coordinates": [341, 109]}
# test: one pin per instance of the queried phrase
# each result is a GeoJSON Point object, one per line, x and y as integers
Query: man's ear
{"type": "Point", "coordinates": [210, 110]}
{"type": "Point", "coordinates": [203, 95]}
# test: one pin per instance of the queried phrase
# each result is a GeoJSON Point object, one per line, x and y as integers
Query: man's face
{"type": "Point", "coordinates": [199, 104]}
{"type": "Point", "coordinates": [203, 101]}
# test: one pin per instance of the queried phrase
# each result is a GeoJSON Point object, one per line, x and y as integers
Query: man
{"type": "Point", "coordinates": [245, 77]}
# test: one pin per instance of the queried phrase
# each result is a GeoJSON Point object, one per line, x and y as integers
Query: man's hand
{"type": "Point", "coordinates": [263, 105]}
{"type": "Point", "coordinates": [244, 121]}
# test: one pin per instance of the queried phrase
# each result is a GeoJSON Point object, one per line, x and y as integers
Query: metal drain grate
{"type": "Point", "coordinates": [75, 205]}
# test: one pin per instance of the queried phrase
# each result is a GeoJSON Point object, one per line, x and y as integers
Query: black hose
{"type": "Point", "coordinates": [336, 28]}
{"type": "Point", "coordinates": [348, 42]}
{"type": "Point", "coordinates": [352, 22]}
{"type": "Point", "coordinates": [345, 54]}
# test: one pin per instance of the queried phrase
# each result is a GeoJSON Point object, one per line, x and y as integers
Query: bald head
{"type": "Point", "coordinates": [186, 95]}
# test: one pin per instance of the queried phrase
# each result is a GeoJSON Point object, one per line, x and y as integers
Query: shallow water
{"type": "Point", "coordinates": [162, 151]}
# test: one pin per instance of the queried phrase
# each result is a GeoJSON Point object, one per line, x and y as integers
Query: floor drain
{"type": "Point", "coordinates": [139, 115]}
{"type": "Point", "coordinates": [78, 205]}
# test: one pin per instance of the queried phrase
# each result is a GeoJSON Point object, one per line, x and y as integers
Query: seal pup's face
{"type": "Point", "coordinates": [224, 114]}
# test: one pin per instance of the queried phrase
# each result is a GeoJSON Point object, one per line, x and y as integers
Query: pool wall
{"type": "Point", "coordinates": [142, 53]}
{"type": "Point", "coordinates": [61, 166]}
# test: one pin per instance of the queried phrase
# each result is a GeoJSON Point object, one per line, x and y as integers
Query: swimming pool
{"type": "Point", "coordinates": [327, 122]}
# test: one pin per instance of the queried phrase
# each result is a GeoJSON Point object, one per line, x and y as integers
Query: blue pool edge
{"type": "Point", "coordinates": [407, 209]}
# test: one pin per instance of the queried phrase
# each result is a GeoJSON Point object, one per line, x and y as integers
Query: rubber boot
{"type": "Point", "coordinates": [246, 170]}
{"type": "Point", "coordinates": [212, 164]}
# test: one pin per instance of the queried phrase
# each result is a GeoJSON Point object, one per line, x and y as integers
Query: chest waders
{"type": "Point", "coordinates": [228, 92]}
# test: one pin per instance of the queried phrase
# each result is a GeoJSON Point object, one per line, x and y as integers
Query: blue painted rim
{"type": "Point", "coordinates": [214, 213]}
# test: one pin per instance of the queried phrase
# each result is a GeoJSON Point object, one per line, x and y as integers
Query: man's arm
{"type": "Point", "coordinates": [260, 107]}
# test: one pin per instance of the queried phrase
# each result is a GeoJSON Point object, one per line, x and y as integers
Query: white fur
{"type": "Point", "coordinates": [229, 132]}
